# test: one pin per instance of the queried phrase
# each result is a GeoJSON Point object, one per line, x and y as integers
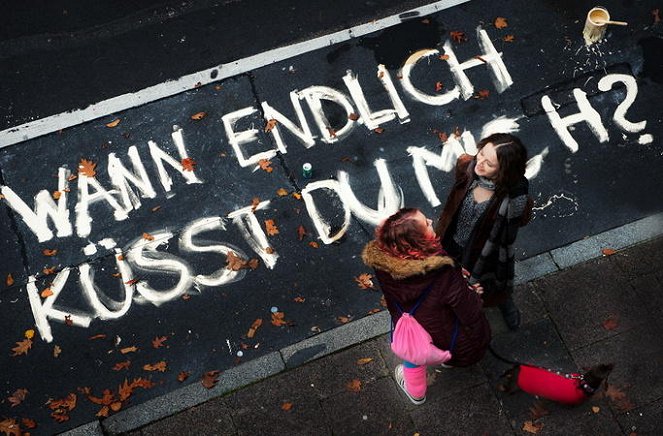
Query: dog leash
{"type": "Point", "coordinates": [513, 362]}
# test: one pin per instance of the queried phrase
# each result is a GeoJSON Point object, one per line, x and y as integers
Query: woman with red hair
{"type": "Point", "coordinates": [409, 263]}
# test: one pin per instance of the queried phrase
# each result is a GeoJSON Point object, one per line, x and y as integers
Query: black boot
{"type": "Point", "coordinates": [510, 313]}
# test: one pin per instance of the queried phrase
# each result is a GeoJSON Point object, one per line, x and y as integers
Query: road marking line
{"type": "Point", "coordinates": [53, 123]}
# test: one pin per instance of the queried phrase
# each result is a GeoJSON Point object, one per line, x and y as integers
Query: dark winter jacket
{"type": "Point", "coordinates": [496, 277]}
{"type": "Point", "coordinates": [403, 280]}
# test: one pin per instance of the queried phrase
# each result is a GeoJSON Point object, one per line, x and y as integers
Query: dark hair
{"type": "Point", "coordinates": [512, 157]}
{"type": "Point", "coordinates": [401, 236]}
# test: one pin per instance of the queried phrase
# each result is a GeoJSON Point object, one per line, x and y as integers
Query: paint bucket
{"type": "Point", "coordinates": [595, 24]}
{"type": "Point", "coordinates": [307, 170]}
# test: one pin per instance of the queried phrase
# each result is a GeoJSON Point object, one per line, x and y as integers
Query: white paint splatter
{"type": "Point", "coordinates": [606, 83]}
{"type": "Point", "coordinates": [314, 96]}
{"type": "Point", "coordinates": [237, 139]}
{"type": "Point", "coordinates": [645, 139]}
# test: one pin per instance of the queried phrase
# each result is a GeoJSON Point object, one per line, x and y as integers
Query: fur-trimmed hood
{"type": "Point", "coordinates": [398, 268]}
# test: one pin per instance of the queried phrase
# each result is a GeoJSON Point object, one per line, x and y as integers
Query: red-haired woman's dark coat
{"type": "Point", "coordinates": [403, 281]}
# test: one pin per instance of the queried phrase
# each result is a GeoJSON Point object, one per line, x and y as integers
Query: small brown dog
{"type": "Point", "coordinates": [571, 389]}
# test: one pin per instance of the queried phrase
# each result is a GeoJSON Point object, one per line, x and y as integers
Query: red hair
{"type": "Point", "coordinates": [401, 235]}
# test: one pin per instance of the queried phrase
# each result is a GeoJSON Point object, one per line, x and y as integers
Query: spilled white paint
{"type": "Point", "coordinates": [301, 132]}
{"type": "Point", "coordinates": [565, 206]}
{"type": "Point", "coordinates": [250, 228]}
{"type": "Point", "coordinates": [314, 95]}
{"type": "Point", "coordinates": [321, 225]}
{"type": "Point", "coordinates": [606, 83]}
{"type": "Point", "coordinates": [535, 163]}
{"type": "Point", "coordinates": [121, 177]}
{"type": "Point", "coordinates": [645, 139]}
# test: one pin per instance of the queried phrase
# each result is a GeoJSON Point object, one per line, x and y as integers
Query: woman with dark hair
{"type": "Point", "coordinates": [489, 201]}
{"type": "Point", "coordinates": [412, 268]}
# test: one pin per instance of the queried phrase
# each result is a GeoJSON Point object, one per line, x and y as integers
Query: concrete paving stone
{"type": "Point", "coordinates": [638, 358]}
{"type": "Point", "coordinates": [534, 267]}
{"type": "Point", "coordinates": [329, 376]}
{"type": "Point", "coordinates": [649, 289]}
{"type": "Point", "coordinates": [529, 302]}
{"type": "Point", "coordinates": [258, 409]}
{"type": "Point", "coordinates": [210, 418]}
{"type": "Point", "coordinates": [473, 411]}
{"type": "Point", "coordinates": [378, 409]}
{"type": "Point", "coordinates": [640, 260]}
{"type": "Point", "coordinates": [90, 429]}
{"type": "Point", "coordinates": [581, 299]}
{"type": "Point", "coordinates": [644, 421]}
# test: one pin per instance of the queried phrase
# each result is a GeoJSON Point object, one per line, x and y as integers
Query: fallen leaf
{"type": "Point", "coordinates": [22, 347]}
{"type": "Point", "coordinates": [148, 237]}
{"type": "Point", "coordinates": [132, 282]}
{"type": "Point", "coordinates": [188, 164]}
{"type": "Point", "coordinates": [48, 252]}
{"type": "Point", "coordinates": [378, 130]}
{"type": "Point", "coordinates": [611, 322]}
{"type": "Point", "coordinates": [271, 228]}
{"type": "Point", "coordinates": [120, 257]}
{"type": "Point", "coordinates": [299, 299]}
{"type": "Point", "coordinates": [9, 427]}
{"type": "Point", "coordinates": [87, 168]}
{"type": "Point", "coordinates": [46, 293]}
{"type": "Point", "coordinates": [482, 94]}
{"type": "Point", "coordinates": [374, 311]}
{"type": "Point", "coordinates": [353, 116]}
{"type": "Point", "coordinates": [444, 57]}
{"type": "Point", "coordinates": [29, 423]}
{"type": "Point", "coordinates": [314, 244]}
{"type": "Point", "coordinates": [253, 263]}
{"type": "Point", "coordinates": [270, 125]}
{"type": "Point", "coordinates": [235, 263]}
{"type": "Point", "coordinates": [131, 349]}
{"type": "Point", "coordinates": [332, 132]}
{"type": "Point", "coordinates": [254, 328]}
{"type": "Point", "coordinates": [608, 251]}
{"type": "Point", "coordinates": [596, 409]}
{"type": "Point", "coordinates": [56, 195]}
{"type": "Point", "coordinates": [29, 334]}
{"type": "Point", "coordinates": [113, 123]}
{"type": "Point", "coordinates": [278, 319]}
{"type": "Point", "coordinates": [532, 427]}
{"type": "Point", "coordinates": [18, 396]}
{"type": "Point", "coordinates": [297, 195]}
{"type": "Point", "coordinates": [183, 375]}
{"type": "Point", "coordinates": [438, 86]}
{"type": "Point", "coordinates": [198, 116]}
{"type": "Point", "coordinates": [106, 398]}
{"type": "Point", "coordinates": [210, 378]}
{"type": "Point", "coordinates": [364, 360]}
{"type": "Point", "coordinates": [98, 336]}
{"type": "Point", "coordinates": [364, 281]}
{"type": "Point", "coordinates": [281, 192]}
{"type": "Point", "coordinates": [48, 271]}
{"type": "Point", "coordinates": [265, 165]}
{"type": "Point", "coordinates": [301, 232]}
{"type": "Point", "coordinates": [354, 385]}
{"type": "Point", "coordinates": [343, 319]}
{"type": "Point", "coordinates": [62, 407]}
{"type": "Point", "coordinates": [160, 366]}
{"type": "Point", "coordinates": [72, 177]}
{"type": "Point", "coordinates": [442, 136]}
{"type": "Point", "coordinates": [56, 351]}
{"type": "Point", "coordinates": [500, 23]}
{"type": "Point", "coordinates": [286, 406]}
{"type": "Point", "coordinates": [268, 250]}
{"type": "Point", "coordinates": [116, 406]}
{"type": "Point", "coordinates": [457, 36]}
{"type": "Point", "coordinates": [121, 365]}
{"type": "Point", "coordinates": [68, 321]}
{"type": "Point", "coordinates": [508, 38]}
{"type": "Point", "coordinates": [155, 208]}
{"type": "Point", "coordinates": [158, 341]}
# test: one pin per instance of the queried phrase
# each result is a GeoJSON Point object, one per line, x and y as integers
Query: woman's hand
{"type": "Point", "coordinates": [476, 287]}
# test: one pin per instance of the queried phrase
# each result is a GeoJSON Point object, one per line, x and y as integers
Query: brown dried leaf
{"type": "Point", "coordinates": [444, 57]}
{"type": "Point", "coordinates": [48, 252]}
{"type": "Point", "coordinates": [354, 385]}
{"type": "Point", "coordinates": [132, 282]}
{"type": "Point", "coordinates": [278, 319]}
{"type": "Point", "coordinates": [297, 195]}
{"type": "Point", "coordinates": [457, 36]}
{"type": "Point", "coordinates": [301, 232]}
{"type": "Point", "coordinates": [364, 281]}
{"type": "Point", "coordinates": [299, 299]}
{"type": "Point", "coordinates": [332, 132]}
{"type": "Point", "coordinates": [500, 23]}
{"type": "Point", "coordinates": [106, 398]}
{"type": "Point", "coordinates": [253, 263]}
{"type": "Point", "coordinates": [68, 321]}
{"type": "Point", "coordinates": [271, 228]}
{"type": "Point", "coordinates": [255, 201]}
{"type": "Point", "coordinates": [48, 271]}
{"type": "Point", "coordinates": [22, 347]}
{"type": "Point", "coordinates": [210, 378]}
{"type": "Point", "coordinates": [482, 94]}
{"type": "Point", "coordinates": [270, 125]}
{"type": "Point", "coordinates": [281, 192]}
{"type": "Point", "coordinates": [121, 365]}
{"type": "Point", "coordinates": [265, 165]}
{"type": "Point", "coordinates": [532, 427]}
{"type": "Point", "coordinates": [9, 427]}
{"type": "Point", "coordinates": [18, 396]}
{"type": "Point", "coordinates": [254, 328]}
{"type": "Point", "coordinates": [9, 280]}
{"type": "Point", "coordinates": [378, 130]}
{"type": "Point", "coordinates": [286, 406]}
{"type": "Point", "coordinates": [116, 406]}
{"type": "Point", "coordinates": [155, 208]}
{"type": "Point", "coordinates": [364, 360]}
{"type": "Point", "coordinates": [113, 123]}
{"type": "Point", "coordinates": [373, 311]}
{"type": "Point", "coordinates": [438, 86]}
{"type": "Point", "coordinates": [314, 244]}
{"type": "Point", "coordinates": [56, 195]}
{"type": "Point", "coordinates": [46, 293]}
{"type": "Point", "coordinates": [160, 366]}
{"type": "Point", "coordinates": [608, 251]}
{"type": "Point", "coordinates": [56, 351]}
{"type": "Point", "coordinates": [188, 164]}
{"type": "Point", "coordinates": [508, 38]}
{"type": "Point", "coordinates": [158, 341]}
{"type": "Point", "coordinates": [28, 423]}
{"type": "Point", "coordinates": [127, 350]}
{"type": "Point", "coordinates": [198, 116]}
{"type": "Point", "coordinates": [99, 336]}
{"type": "Point", "coordinates": [148, 237]}
{"type": "Point", "coordinates": [343, 319]}
{"type": "Point", "coordinates": [596, 409]}
{"type": "Point", "coordinates": [442, 136]}
{"type": "Point", "coordinates": [87, 168]}
{"type": "Point", "coordinates": [183, 375]}
{"type": "Point", "coordinates": [353, 116]}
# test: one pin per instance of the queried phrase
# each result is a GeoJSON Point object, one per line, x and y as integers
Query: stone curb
{"type": "Point", "coordinates": [356, 332]}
